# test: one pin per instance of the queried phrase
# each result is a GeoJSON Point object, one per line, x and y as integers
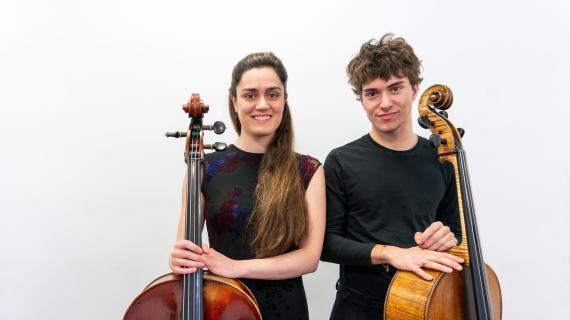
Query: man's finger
{"type": "Point", "coordinates": [418, 238]}
{"type": "Point", "coordinates": [442, 232]}
{"type": "Point", "coordinates": [429, 231]}
{"type": "Point", "coordinates": [422, 273]}
{"type": "Point", "coordinates": [447, 261]}
{"type": "Point", "coordinates": [438, 267]}
{"type": "Point", "coordinates": [448, 245]}
{"type": "Point", "coordinates": [442, 241]}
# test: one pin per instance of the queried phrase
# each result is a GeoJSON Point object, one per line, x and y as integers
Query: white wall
{"type": "Point", "coordinates": [90, 187]}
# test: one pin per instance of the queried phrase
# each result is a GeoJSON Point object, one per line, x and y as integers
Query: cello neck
{"type": "Point", "coordinates": [192, 295]}
{"type": "Point", "coordinates": [192, 306]}
{"type": "Point", "coordinates": [476, 268]}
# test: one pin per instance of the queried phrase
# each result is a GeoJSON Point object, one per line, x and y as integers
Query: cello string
{"type": "Point", "coordinates": [476, 271]}
{"type": "Point", "coordinates": [481, 284]}
{"type": "Point", "coordinates": [472, 238]}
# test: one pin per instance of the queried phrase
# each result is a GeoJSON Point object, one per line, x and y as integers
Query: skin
{"type": "Point", "coordinates": [388, 105]}
{"type": "Point", "coordinates": [259, 103]}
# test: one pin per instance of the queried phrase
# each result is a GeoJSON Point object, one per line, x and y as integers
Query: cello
{"type": "Point", "coordinates": [474, 292]}
{"type": "Point", "coordinates": [200, 295]}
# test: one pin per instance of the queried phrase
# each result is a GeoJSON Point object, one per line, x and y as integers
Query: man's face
{"type": "Point", "coordinates": [388, 104]}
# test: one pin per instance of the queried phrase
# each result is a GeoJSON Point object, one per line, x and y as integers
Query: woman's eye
{"type": "Point", "coordinates": [248, 96]}
{"type": "Point", "coordinates": [274, 95]}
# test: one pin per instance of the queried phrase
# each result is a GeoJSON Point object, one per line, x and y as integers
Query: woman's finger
{"type": "Point", "coordinates": [187, 263]}
{"type": "Point", "coordinates": [180, 270]}
{"type": "Point", "coordinates": [185, 254]}
{"type": "Point", "coordinates": [188, 245]}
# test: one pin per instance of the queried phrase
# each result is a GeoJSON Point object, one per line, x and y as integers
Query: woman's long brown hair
{"type": "Point", "coordinates": [279, 219]}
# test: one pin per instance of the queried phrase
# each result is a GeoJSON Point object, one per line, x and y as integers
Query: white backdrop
{"type": "Point", "coordinates": [90, 187]}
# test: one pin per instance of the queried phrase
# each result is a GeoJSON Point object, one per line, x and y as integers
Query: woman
{"type": "Point", "coordinates": [264, 204]}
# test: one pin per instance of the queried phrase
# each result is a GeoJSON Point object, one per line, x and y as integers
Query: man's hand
{"type": "Point", "coordinates": [415, 258]}
{"type": "Point", "coordinates": [436, 237]}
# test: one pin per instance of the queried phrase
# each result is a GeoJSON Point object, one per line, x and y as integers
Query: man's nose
{"type": "Point", "coordinates": [385, 102]}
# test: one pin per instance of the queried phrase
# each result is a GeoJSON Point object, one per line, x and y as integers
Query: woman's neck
{"type": "Point", "coordinates": [253, 144]}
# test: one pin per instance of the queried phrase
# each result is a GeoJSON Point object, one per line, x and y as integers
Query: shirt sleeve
{"type": "Point", "coordinates": [307, 168]}
{"type": "Point", "coordinates": [448, 209]}
{"type": "Point", "coordinates": [337, 248]}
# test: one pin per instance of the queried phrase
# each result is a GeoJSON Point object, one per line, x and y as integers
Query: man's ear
{"type": "Point", "coordinates": [415, 88]}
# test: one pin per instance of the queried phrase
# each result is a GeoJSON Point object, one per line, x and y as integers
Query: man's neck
{"type": "Point", "coordinates": [398, 141]}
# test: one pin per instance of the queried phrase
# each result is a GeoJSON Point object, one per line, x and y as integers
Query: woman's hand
{"type": "Point", "coordinates": [221, 265]}
{"type": "Point", "coordinates": [415, 258]}
{"type": "Point", "coordinates": [186, 257]}
{"type": "Point", "coordinates": [436, 237]}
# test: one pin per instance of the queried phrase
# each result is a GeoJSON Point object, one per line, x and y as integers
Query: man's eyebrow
{"type": "Point", "coordinates": [370, 89]}
{"type": "Point", "coordinates": [396, 83]}
{"type": "Point", "coordinates": [255, 89]}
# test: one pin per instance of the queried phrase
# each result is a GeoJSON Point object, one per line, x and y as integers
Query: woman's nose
{"type": "Point", "coordinates": [262, 104]}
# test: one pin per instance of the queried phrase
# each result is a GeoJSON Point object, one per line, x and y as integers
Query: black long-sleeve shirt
{"type": "Point", "coordinates": [378, 195]}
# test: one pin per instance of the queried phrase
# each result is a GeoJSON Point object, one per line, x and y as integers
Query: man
{"type": "Point", "coordinates": [390, 204]}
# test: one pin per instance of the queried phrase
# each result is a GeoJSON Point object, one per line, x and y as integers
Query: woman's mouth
{"type": "Point", "coordinates": [262, 117]}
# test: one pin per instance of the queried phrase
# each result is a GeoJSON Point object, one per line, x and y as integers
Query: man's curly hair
{"type": "Point", "coordinates": [382, 59]}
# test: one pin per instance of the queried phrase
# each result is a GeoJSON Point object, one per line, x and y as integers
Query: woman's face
{"type": "Point", "coordinates": [259, 102]}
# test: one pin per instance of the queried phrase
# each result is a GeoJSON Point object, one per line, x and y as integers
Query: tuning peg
{"type": "Point", "coordinates": [436, 140]}
{"type": "Point", "coordinates": [218, 127]}
{"type": "Point", "coordinates": [444, 113]}
{"type": "Point", "coordinates": [176, 134]}
{"type": "Point", "coordinates": [461, 132]}
{"type": "Point", "coordinates": [424, 122]}
{"type": "Point", "coordinates": [218, 146]}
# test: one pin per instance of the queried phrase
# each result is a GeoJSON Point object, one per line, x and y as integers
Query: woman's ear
{"type": "Point", "coordinates": [234, 103]}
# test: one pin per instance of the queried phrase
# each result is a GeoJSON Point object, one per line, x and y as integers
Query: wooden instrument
{"type": "Point", "coordinates": [473, 293]}
{"type": "Point", "coordinates": [200, 295]}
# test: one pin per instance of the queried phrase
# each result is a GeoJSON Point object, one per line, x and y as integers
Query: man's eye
{"type": "Point", "coordinates": [396, 89]}
{"type": "Point", "coordinates": [370, 94]}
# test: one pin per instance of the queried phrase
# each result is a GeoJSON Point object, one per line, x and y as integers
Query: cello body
{"type": "Point", "coordinates": [224, 299]}
{"type": "Point", "coordinates": [473, 293]}
{"type": "Point", "coordinates": [412, 297]}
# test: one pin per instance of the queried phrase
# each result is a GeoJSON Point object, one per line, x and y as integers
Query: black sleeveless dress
{"type": "Point", "coordinates": [228, 187]}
